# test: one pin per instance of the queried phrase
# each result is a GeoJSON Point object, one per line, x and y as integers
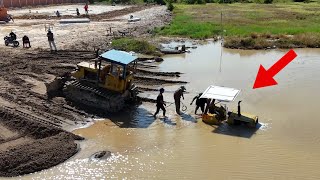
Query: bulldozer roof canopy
{"type": "Point", "coordinates": [118, 57]}
{"type": "Point", "coordinates": [220, 93]}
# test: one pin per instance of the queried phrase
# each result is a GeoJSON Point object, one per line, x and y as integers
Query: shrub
{"type": "Point", "coordinates": [170, 7]}
{"type": "Point", "coordinates": [254, 35]}
{"type": "Point", "coordinates": [194, 1]}
{"type": "Point", "coordinates": [130, 44]}
{"type": "Point", "coordinates": [227, 1]}
{"type": "Point", "coordinates": [247, 42]}
{"type": "Point", "coordinates": [268, 1]}
{"type": "Point", "coordinates": [161, 2]}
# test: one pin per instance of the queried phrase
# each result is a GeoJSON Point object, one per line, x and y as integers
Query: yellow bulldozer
{"type": "Point", "coordinates": [106, 83]}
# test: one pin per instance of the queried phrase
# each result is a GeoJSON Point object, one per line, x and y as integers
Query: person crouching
{"type": "Point", "coordinates": [26, 42]}
{"type": "Point", "coordinates": [200, 103]}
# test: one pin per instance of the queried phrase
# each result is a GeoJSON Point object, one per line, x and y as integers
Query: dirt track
{"type": "Point", "coordinates": [34, 126]}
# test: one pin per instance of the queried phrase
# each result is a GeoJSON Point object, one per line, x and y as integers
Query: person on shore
{"type": "Point", "coordinates": [10, 17]}
{"type": "Point", "coordinates": [58, 14]}
{"type": "Point", "coordinates": [26, 42]}
{"type": "Point", "coordinates": [51, 41]}
{"type": "Point", "coordinates": [160, 104]}
{"type": "Point", "coordinates": [177, 96]}
{"type": "Point", "coordinates": [86, 8]}
{"type": "Point", "coordinates": [78, 13]}
{"type": "Point", "coordinates": [200, 102]}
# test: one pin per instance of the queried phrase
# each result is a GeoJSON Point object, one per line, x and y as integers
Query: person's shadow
{"type": "Point", "coordinates": [167, 121]}
{"type": "Point", "coordinates": [188, 117]}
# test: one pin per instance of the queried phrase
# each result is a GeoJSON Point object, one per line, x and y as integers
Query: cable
{"type": "Point", "coordinates": [183, 107]}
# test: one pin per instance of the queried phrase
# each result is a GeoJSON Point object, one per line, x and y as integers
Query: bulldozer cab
{"type": "Point", "coordinates": [112, 70]}
{"type": "Point", "coordinates": [117, 75]}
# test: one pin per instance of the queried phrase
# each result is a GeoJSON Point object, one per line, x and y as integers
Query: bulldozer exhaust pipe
{"type": "Point", "coordinates": [239, 109]}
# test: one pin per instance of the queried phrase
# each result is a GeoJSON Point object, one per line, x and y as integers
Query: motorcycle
{"type": "Point", "coordinates": [8, 40]}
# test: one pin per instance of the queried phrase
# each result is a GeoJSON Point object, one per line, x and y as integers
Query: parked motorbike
{"type": "Point", "coordinates": [8, 40]}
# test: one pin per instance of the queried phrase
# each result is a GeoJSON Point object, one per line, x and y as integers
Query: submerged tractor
{"type": "Point", "coordinates": [106, 83]}
{"type": "Point", "coordinates": [218, 114]}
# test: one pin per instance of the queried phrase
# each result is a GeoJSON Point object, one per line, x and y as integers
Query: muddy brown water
{"type": "Point", "coordinates": [285, 145]}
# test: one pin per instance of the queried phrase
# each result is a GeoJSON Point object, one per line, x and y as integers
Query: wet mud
{"type": "Point", "coordinates": [41, 121]}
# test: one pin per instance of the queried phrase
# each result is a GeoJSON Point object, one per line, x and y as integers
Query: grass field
{"type": "Point", "coordinates": [131, 44]}
{"type": "Point", "coordinates": [245, 20]}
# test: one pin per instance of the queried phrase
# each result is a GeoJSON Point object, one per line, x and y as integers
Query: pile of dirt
{"type": "Point", "coordinates": [37, 146]}
{"type": "Point", "coordinates": [37, 154]}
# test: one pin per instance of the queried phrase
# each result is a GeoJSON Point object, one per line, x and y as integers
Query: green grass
{"type": "Point", "coordinates": [243, 19]}
{"type": "Point", "coordinates": [131, 44]}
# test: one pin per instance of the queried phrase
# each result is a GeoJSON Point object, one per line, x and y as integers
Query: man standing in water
{"type": "Point", "coordinates": [200, 102]}
{"type": "Point", "coordinates": [51, 41]}
{"type": "Point", "coordinates": [177, 96]}
{"type": "Point", "coordinates": [160, 103]}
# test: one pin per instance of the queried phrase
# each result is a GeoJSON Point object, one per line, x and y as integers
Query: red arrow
{"type": "Point", "coordinates": [265, 77]}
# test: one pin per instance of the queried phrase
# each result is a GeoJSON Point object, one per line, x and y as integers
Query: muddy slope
{"type": "Point", "coordinates": [33, 145]}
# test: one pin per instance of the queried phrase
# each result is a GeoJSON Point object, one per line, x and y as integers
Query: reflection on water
{"type": "Point", "coordinates": [284, 146]}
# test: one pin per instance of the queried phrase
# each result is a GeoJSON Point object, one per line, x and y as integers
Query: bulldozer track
{"type": "Point", "coordinates": [112, 101]}
{"type": "Point", "coordinates": [105, 94]}
{"type": "Point", "coordinates": [23, 114]}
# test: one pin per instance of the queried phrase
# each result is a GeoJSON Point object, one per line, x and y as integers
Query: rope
{"type": "Point", "coordinates": [170, 104]}
{"type": "Point", "coordinates": [183, 107]}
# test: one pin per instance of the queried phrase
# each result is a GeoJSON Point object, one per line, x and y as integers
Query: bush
{"type": "Point", "coordinates": [247, 42]}
{"type": "Point", "coordinates": [254, 35]}
{"type": "Point", "coordinates": [130, 44]}
{"type": "Point", "coordinates": [268, 1]}
{"type": "Point", "coordinates": [161, 2]}
{"type": "Point", "coordinates": [170, 7]}
{"type": "Point", "coordinates": [194, 1]}
{"type": "Point", "coordinates": [227, 1]}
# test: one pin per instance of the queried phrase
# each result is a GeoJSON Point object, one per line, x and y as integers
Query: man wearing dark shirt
{"type": "Point", "coordinates": [200, 102]}
{"type": "Point", "coordinates": [160, 103]}
{"type": "Point", "coordinates": [51, 40]}
{"type": "Point", "coordinates": [13, 36]}
{"type": "Point", "coordinates": [177, 95]}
